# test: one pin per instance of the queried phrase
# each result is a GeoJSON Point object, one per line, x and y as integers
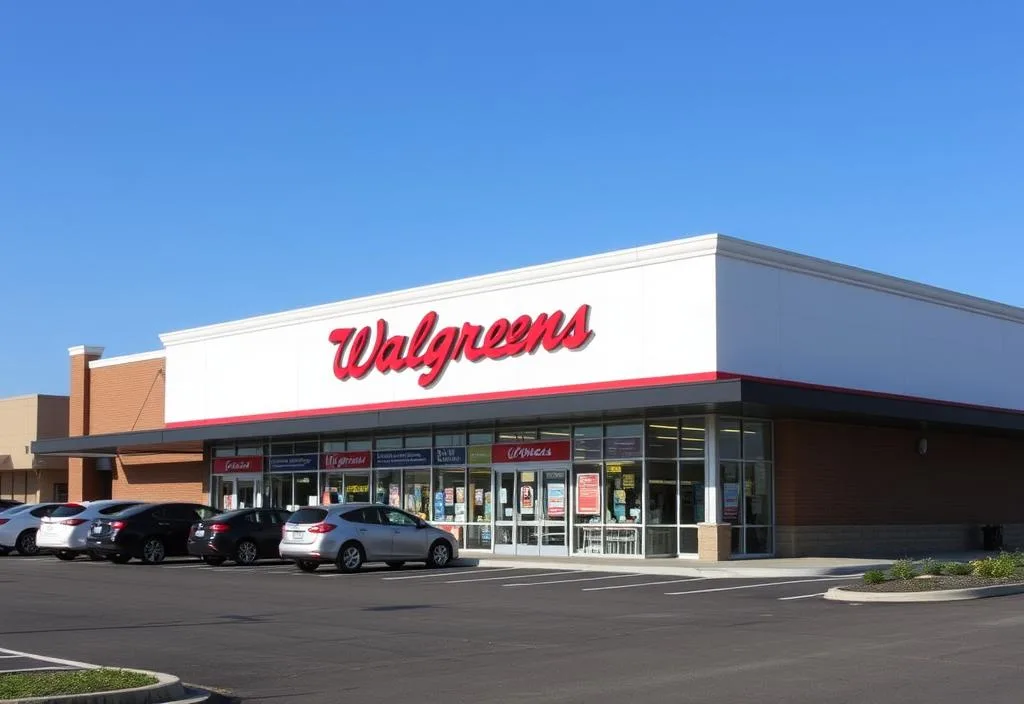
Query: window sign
{"type": "Point", "coordinates": [402, 458]}
{"type": "Point", "coordinates": [588, 494]}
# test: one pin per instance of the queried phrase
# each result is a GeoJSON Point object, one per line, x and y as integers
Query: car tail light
{"type": "Point", "coordinates": [220, 528]}
{"type": "Point", "coordinates": [72, 522]}
{"type": "Point", "coordinates": [322, 528]}
{"type": "Point", "coordinates": [4, 520]}
{"type": "Point", "coordinates": [117, 525]}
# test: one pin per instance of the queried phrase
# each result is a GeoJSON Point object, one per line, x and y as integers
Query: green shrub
{"type": "Point", "coordinates": [874, 576]}
{"type": "Point", "coordinates": [932, 567]}
{"type": "Point", "coordinates": [995, 567]}
{"type": "Point", "coordinates": [957, 569]}
{"type": "Point", "coordinates": [902, 569]}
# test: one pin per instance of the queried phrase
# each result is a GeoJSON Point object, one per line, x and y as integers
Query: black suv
{"type": "Point", "coordinates": [149, 532]}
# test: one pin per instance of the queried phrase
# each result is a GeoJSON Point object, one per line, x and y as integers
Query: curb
{"type": "Point", "coordinates": [165, 690]}
{"type": "Point", "coordinates": [678, 571]}
{"type": "Point", "coordinates": [938, 595]}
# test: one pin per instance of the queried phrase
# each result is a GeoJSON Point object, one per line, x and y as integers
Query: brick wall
{"type": "Point", "coordinates": [127, 397]}
{"type": "Point", "coordinates": [862, 490]}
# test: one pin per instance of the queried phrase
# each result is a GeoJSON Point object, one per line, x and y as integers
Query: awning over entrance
{"type": "Point", "coordinates": [731, 396]}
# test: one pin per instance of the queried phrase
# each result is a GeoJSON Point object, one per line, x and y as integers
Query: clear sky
{"type": "Point", "coordinates": [167, 165]}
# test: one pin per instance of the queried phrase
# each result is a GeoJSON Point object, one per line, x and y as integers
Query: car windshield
{"type": "Point", "coordinates": [307, 515]}
{"type": "Point", "coordinates": [229, 515]}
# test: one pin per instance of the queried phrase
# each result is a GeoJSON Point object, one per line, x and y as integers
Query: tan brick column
{"type": "Point", "coordinates": [714, 542]}
{"type": "Point", "coordinates": [82, 480]}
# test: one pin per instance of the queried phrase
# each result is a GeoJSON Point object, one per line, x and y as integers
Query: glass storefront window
{"type": "Point", "coordinates": [623, 481]}
{"type": "Point", "coordinates": [478, 498]}
{"type": "Point", "coordinates": [757, 441]}
{"type": "Point", "coordinates": [306, 493]}
{"type": "Point", "coordinates": [451, 483]}
{"type": "Point", "coordinates": [587, 507]}
{"type": "Point", "coordinates": [554, 434]}
{"type": "Point", "coordinates": [662, 439]}
{"type": "Point", "coordinates": [417, 441]}
{"type": "Point", "coordinates": [450, 440]}
{"type": "Point", "coordinates": [392, 443]}
{"type": "Point", "coordinates": [661, 508]}
{"type": "Point", "coordinates": [732, 491]}
{"type": "Point", "coordinates": [517, 434]}
{"type": "Point", "coordinates": [730, 445]}
{"type": "Point", "coordinates": [587, 442]}
{"type": "Point", "coordinates": [691, 493]}
{"type": "Point", "coordinates": [353, 445]}
{"type": "Point", "coordinates": [757, 490]}
{"type": "Point", "coordinates": [281, 491]}
{"type": "Point", "coordinates": [347, 487]}
{"type": "Point", "coordinates": [388, 487]}
{"type": "Point", "coordinates": [334, 446]}
{"type": "Point", "coordinates": [417, 497]}
{"type": "Point", "coordinates": [250, 450]}
{"type": "Point", "coordinates": [692, 438]}
{"type": "Point", "coordinates": [480, 437]}
{"type": "Point", "coordinates": [224, 451]}
{"type": "Point", "coordinates": [308, 447]}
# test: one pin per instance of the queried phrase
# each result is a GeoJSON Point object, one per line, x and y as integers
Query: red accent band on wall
{"type": "Point", "coordinates": [345, 460]}
{"type": "Point", "coordinates": [554, 451]}
{"type": "Point", "coordinates": [227, 465]}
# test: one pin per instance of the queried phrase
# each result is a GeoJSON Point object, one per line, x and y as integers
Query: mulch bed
{"type": "Point", "coordinates": [927, 584]}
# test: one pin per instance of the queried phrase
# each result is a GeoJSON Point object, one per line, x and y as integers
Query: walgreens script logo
{"type": "Point", "coordinates": [527, 453]}
{"type": "Point", "coordinates": [238, 465]}
{"type": "Point", "coordinates": [364, 350]}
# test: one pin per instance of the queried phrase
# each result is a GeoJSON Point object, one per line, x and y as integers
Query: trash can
{"type": "Point", "coordinates": [992, 537]}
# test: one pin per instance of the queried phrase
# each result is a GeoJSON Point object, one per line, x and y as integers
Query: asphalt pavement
{"type": "Point", "coordinates": [495, 635]}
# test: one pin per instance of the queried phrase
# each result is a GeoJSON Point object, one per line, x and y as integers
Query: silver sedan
{"type": "Point", "coordinates": [351, 535]}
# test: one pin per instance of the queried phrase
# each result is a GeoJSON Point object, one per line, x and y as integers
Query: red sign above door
{"type": "Point", "coordinates": [554, 451]}
{"type": "Point", "coordinates": [364, 350]}
{"type": "Point", "coordinates": [227, 465]}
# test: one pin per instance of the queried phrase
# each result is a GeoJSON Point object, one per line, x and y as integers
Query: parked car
{"type": "Point", "coordinates": [66, 531]}
{"type": "Point", "coordinates": [245, 536]}
{"type": "Point", "coordinates": [9, 503]}
{"type": "Point", "coordinates": [18, 527]}
{"type": "Point", "coordinates": [149, 532]}
{"type": "Point", "coordinates": [351, 535]}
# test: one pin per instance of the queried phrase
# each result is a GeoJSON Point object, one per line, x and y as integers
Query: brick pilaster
{"type": "Point", "coordinates": [83, 483]}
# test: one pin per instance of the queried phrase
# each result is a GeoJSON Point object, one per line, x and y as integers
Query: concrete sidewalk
{"type": "Point", "coordinates": [756, 568]}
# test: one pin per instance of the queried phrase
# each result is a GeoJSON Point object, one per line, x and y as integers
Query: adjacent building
{"type": "Point", "coordinates": [702, 398]}
{"type": "Point", "coordinates": [24, 475]}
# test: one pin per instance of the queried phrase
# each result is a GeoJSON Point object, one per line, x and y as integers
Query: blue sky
{"type": "Point", "coordinates": [170, 165]}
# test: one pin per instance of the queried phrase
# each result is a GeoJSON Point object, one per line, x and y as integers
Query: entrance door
{"type": "Point", "coordinates": [240, 492]}
{"type": "Point", "coordinates": [530, 512]}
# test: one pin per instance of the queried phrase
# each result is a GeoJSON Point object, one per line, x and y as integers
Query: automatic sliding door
{"type": "Point", "coordinates": [505, 513]}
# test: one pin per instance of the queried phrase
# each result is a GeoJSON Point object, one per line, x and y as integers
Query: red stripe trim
{"type": "Point", "coordinates": [467, 398]}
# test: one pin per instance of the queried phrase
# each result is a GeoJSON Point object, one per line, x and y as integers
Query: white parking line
{"type": "Point", "coordinates": [757, 586]}
{"type": "Point", "coordinates": [643, 584]}
{"type": "Point", "coordinates": [46, 658]}
{"type": "Point", "coordinates": [525, 576]}
{"type": "Point", "coordinates": [802, 596]}
{"type": "Point", "coordinates": [569, 581]}
{"type": "Point", "coordinates": [37, 669]}
{"type": "Point", "coordinates": [449, 573]}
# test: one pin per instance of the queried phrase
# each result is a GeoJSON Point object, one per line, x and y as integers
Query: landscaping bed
{"type": "Point", "coordinates": [24, 685]}
{"type": "Point", "coordinates": [930, 575]}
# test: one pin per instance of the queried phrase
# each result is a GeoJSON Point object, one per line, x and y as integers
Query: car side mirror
{"type": "Point", "coordinates": [421, 525]}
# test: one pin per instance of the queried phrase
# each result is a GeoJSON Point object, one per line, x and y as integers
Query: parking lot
{"type": "Point", "coordinates": [471, 634]}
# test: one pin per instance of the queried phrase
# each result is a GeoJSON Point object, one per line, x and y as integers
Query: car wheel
{"type": "Point", "coordinates": [153, 551]}
{"type": "Point", "coordinates": [395, 564]}
{"type": "Point", "coordinates": [66, 555]}
{"type": "Point", "coordinates": [440, 554]}
{"type": "Point", "coordinates": [308, 565]}
{"type": "Point", "coordinates": [120, 558]}
{"type": "Point", "coordinates": [214, 560]}
{"type": "Point", "coordinates": [350, 557]}
{"type": "Point", "coordinates": [26, 544]}
{"type": "Point", "coordinates": [97, 556]}
{"type": "Point", "coordinates": [246, 553]}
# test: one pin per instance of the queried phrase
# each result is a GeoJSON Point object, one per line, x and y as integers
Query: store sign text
{"type": "Point", "coordinates": [531, 452]}
{"type": "Point", "coordinates": [346, 460]}
{"type": "Point", "coordinates": [227, 465]}
{"type": "Point", "coordinates": [361, 351]}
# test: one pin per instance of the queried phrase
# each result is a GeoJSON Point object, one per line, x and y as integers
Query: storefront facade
{"type": "Point", "coordinates": [618, 405]}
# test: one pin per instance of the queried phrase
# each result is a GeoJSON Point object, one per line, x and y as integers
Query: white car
{"type": "Point", "coordinates": [18, 527]}
{"type": "Point", "coordinates": [65, 531]}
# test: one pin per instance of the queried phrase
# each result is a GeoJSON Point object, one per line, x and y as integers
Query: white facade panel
{"type": "Point", "coordinates": [796, 326]}
{"type": "Point", "coordinates": [649, 319]}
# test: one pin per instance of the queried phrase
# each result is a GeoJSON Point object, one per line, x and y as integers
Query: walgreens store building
{"type": "Point", "coordinates": [703, 398]}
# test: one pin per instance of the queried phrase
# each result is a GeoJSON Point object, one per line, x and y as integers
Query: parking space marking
{"type": "Point", "coordinates": [448, 573]}
{"type": "Point", "coordinates": [525, 576]}
{"type": "Point", "coordinates": [801, 596]}
{"type": "Point", "coordinates": [569, 581]}
{"type": "Point", "coordinates": [46, 658]}
{"type": "Point", "coordinates": [643, 584]}
{"type": "Point", "coordinates": [757, 586]}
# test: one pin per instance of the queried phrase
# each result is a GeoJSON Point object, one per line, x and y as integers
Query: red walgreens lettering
{"type": "Point", "coordinates": [355, 356]}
